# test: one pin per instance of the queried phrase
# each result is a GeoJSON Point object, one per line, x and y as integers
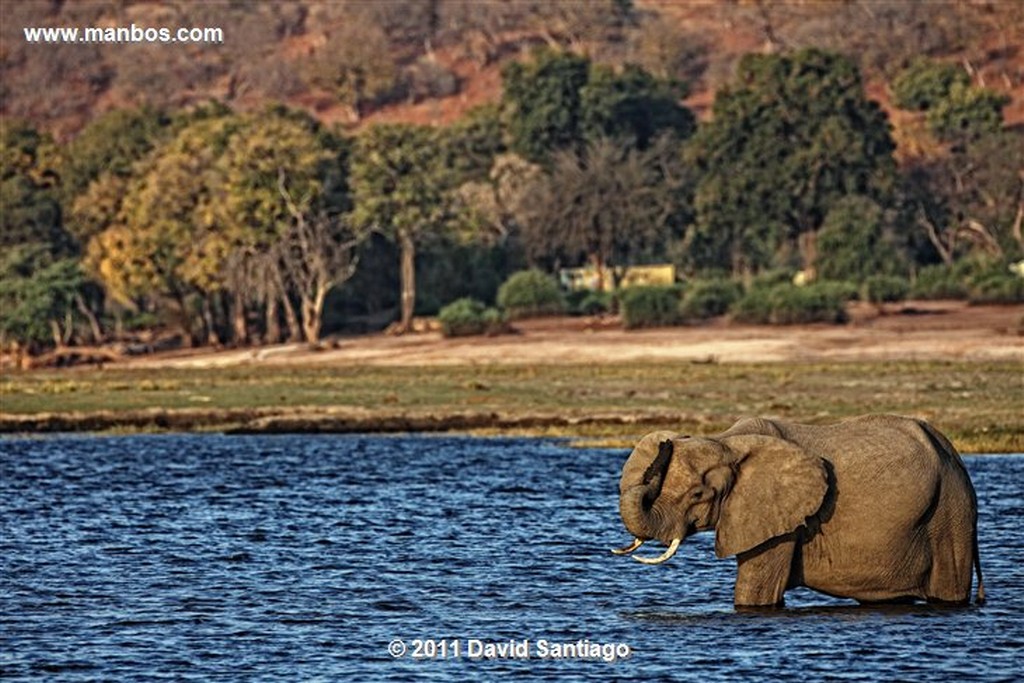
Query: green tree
{"type": "Point", "coordinates": [561, 101]}
{"type": "Point", "coordinates": [792, 136]}
{"type": "Point", "coordinates": [111, 143]}
{"type": "Point", "coordinates": [541, 102]}
{"type": "Point", "coordinates": [925, 83]}
{"type": "Point", "coordinates": [857, 241]}
{"type": "Point", "coordinates": [28, 190]}
{"type": "Point", "coordinates": [38, 295]}
{"type": "Point", "coordinates": [632, 105]}
{"type": "Point", "coordinates": [400, 187]}
{"type": "Point", "coordinates": [279, 177]}
{"type": "Point", "coordinates": [967, 113]}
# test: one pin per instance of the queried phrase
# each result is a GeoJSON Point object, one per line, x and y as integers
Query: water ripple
{"type": "Point", "coordinates": [205, 557]}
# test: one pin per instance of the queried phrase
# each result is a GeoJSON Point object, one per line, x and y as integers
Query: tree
{"type": "Point", "coordinates": [37, 295]}
{"type": "Point", "coordinates": [792, 136]}
{"type": "Point", "coordinates": [612, 205]}
{"type": "Point", "coordinates": [162, 241]}
{"type": "Point", "coordinates": [355, 61]}
{"type": "Point", "coordinates": [925, 83]}
{"type": "Point", "coordinates": [28, 190]}
{"type": "Point", "coordinates": [399, 187]}
{"type": "Point", "coordinates": [541, 103]}
{"type": "Point", "coordinates": [967, 113]}
{"type": "Point", "coordinates": [972, 199]}
{"type": "Point", "coordinates": [111, 143]}
{"type": "Point", "coordinates": [857, 241]}
{"type": "Point", "coordinates": [561, 101]}
{"type": "Point", "coordinates": [632, 105]}
{"type": "Point", "coordinates": [279, 167]}
{"type": "Point", "coordinates": [317, 253]}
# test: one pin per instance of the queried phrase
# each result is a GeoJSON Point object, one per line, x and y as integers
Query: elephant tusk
{"type": "Point", "coordinates": [629, 548]}
{"type": "Point", "coordinates": [664, 556]}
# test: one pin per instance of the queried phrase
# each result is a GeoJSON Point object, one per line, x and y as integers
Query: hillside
{"type": "Point", "coordinates": [354, 63]}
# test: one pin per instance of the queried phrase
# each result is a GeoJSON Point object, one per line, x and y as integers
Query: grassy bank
{"type": "Point", "coordinates": [978, 404]}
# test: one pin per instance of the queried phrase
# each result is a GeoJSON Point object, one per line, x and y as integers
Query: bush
{"type": "Point", "coordinates": [650, 307]}
{"type": "Point", "coordinates": [938, 282]}
{"type": "Point", "coordinates": [709, 298]}
{"type": "Point", "coordinates": [791, 305]}
{"type": "Point", "coordinates": [810, 304]}
{"type": "Point", "coordinates": [755, 306]}
{"type": "Point", "coordinates": [586, 302]}
{"type": "Point", "coordinates": [466, 317]}
{"type": "Point", "coordinates": [880, 289]}
{"type": "Point", "coordinates": [997, 288]}
{"type": "Point", "coordinates": [925, 83]}
{"type": "Point", "coordinates": [968, 113]}
{"type": "Point", "coordinates": [529, 293]}
{"type": "Point", "coordinates": [844, 289]}
{"type": "Point", "coordinates": [768, 279]}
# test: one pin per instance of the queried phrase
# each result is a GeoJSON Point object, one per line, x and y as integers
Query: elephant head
{"type": "Point", "coordinates": [748, 488]}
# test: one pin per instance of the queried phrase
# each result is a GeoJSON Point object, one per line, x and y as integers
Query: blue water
{"type": "Point", "coordinates": [204, 557]}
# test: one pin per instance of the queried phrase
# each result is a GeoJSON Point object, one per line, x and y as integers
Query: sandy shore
{"type": "Point", "coordinates": [912, 331]}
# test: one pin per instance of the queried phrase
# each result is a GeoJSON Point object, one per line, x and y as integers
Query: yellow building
{"type": "Point", "coordinates": [578, 279]}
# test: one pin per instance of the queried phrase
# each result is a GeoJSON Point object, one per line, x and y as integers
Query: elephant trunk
{"type": "Point", "coordinates": [640, 514]}
{"type": "Point", "coordinates": [634, 507]}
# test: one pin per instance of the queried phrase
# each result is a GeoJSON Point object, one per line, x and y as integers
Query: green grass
{"type": "Point", "coordinates": [978, 404]}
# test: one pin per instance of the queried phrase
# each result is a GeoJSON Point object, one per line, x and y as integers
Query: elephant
{"type": "Point", "coordinates": [877, 508]}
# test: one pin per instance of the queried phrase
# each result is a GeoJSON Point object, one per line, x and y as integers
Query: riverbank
{"type": "Point", "coordinates": [977, 403]}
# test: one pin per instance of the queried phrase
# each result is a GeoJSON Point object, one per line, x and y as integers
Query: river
{"type": "Point", "coordinates": [210, 557]}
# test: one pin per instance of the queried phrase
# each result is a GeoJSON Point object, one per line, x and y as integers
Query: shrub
{"type": "Point", "coordinates": [811, 304]}
{"type": "Point", "coordinates": [466, 317]}
{"type": "Point", "coordinates": [791, 305]}
{"type": "Point", "coordinates": [709, 298]}
{"type": "Point", "coordinates": [880, 289]}
{"type": "Point", "coordinates": [925, 83]}
{"type": "Point", "coordinates": [595, 303]}
{"type": "Point", "coordinates": [588, 302]}
{"type": "Point", "coordinates": [844, 289]}
{"type": "Point", "coordinates": [529, 293]}
{"type": "Point", "coordinates": [768, 279]}
{"type": "Point", "coordinates": [968, 113]}
{"type": "Point", "coordinates": [755, 306]}
{"type": "Point", "coordinates": [650, 307]}
{"type": "Point", "coordinates": [997, 288]}
{"type": "Point", "coordinates": [938, 282]}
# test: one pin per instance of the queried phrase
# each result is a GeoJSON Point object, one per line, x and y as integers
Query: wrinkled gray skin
{"type": "Point", "coordinates": [877, 508]}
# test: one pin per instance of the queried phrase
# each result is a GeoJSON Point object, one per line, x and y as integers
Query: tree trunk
{"type": "Point", "coordinates": [807, 243]}
{"type": "Point", "coordinates": [211, 328]}
{"type": "Point", "coordinates": [408, 254]}
{"type": "Point", "coordinates": [238, 319]}
{"type": "Point", "coordinates": [94, 324]}
{"type": "Point", "coordinates": [58, 338]}
{"type": "Point", "coordinates": [313, 314]}
{"type": "Point", "coordinates": [291, 319]}
{"type": "Point", "coordinates": [184, 319]}
{"type": "Point", "coordinates": [273, 335]}
{"type": "Point", "coordinates": [1018, 222]}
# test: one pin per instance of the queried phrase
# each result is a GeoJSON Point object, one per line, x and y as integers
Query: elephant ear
{"type": "Point", "coordinates": [777, 486]}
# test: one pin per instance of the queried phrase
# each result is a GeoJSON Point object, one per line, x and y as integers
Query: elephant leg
{"type": "Point", "coordinates": [763, 574]}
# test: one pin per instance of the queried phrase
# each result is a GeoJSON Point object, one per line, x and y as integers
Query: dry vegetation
{"type": "Point", "coordinates": [354, 62]}
{"type": "Point", "coordinates": [961, 368]}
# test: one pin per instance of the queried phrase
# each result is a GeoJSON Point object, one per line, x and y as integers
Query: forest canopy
{"type": "Point", "coordinates": [246, 216]}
